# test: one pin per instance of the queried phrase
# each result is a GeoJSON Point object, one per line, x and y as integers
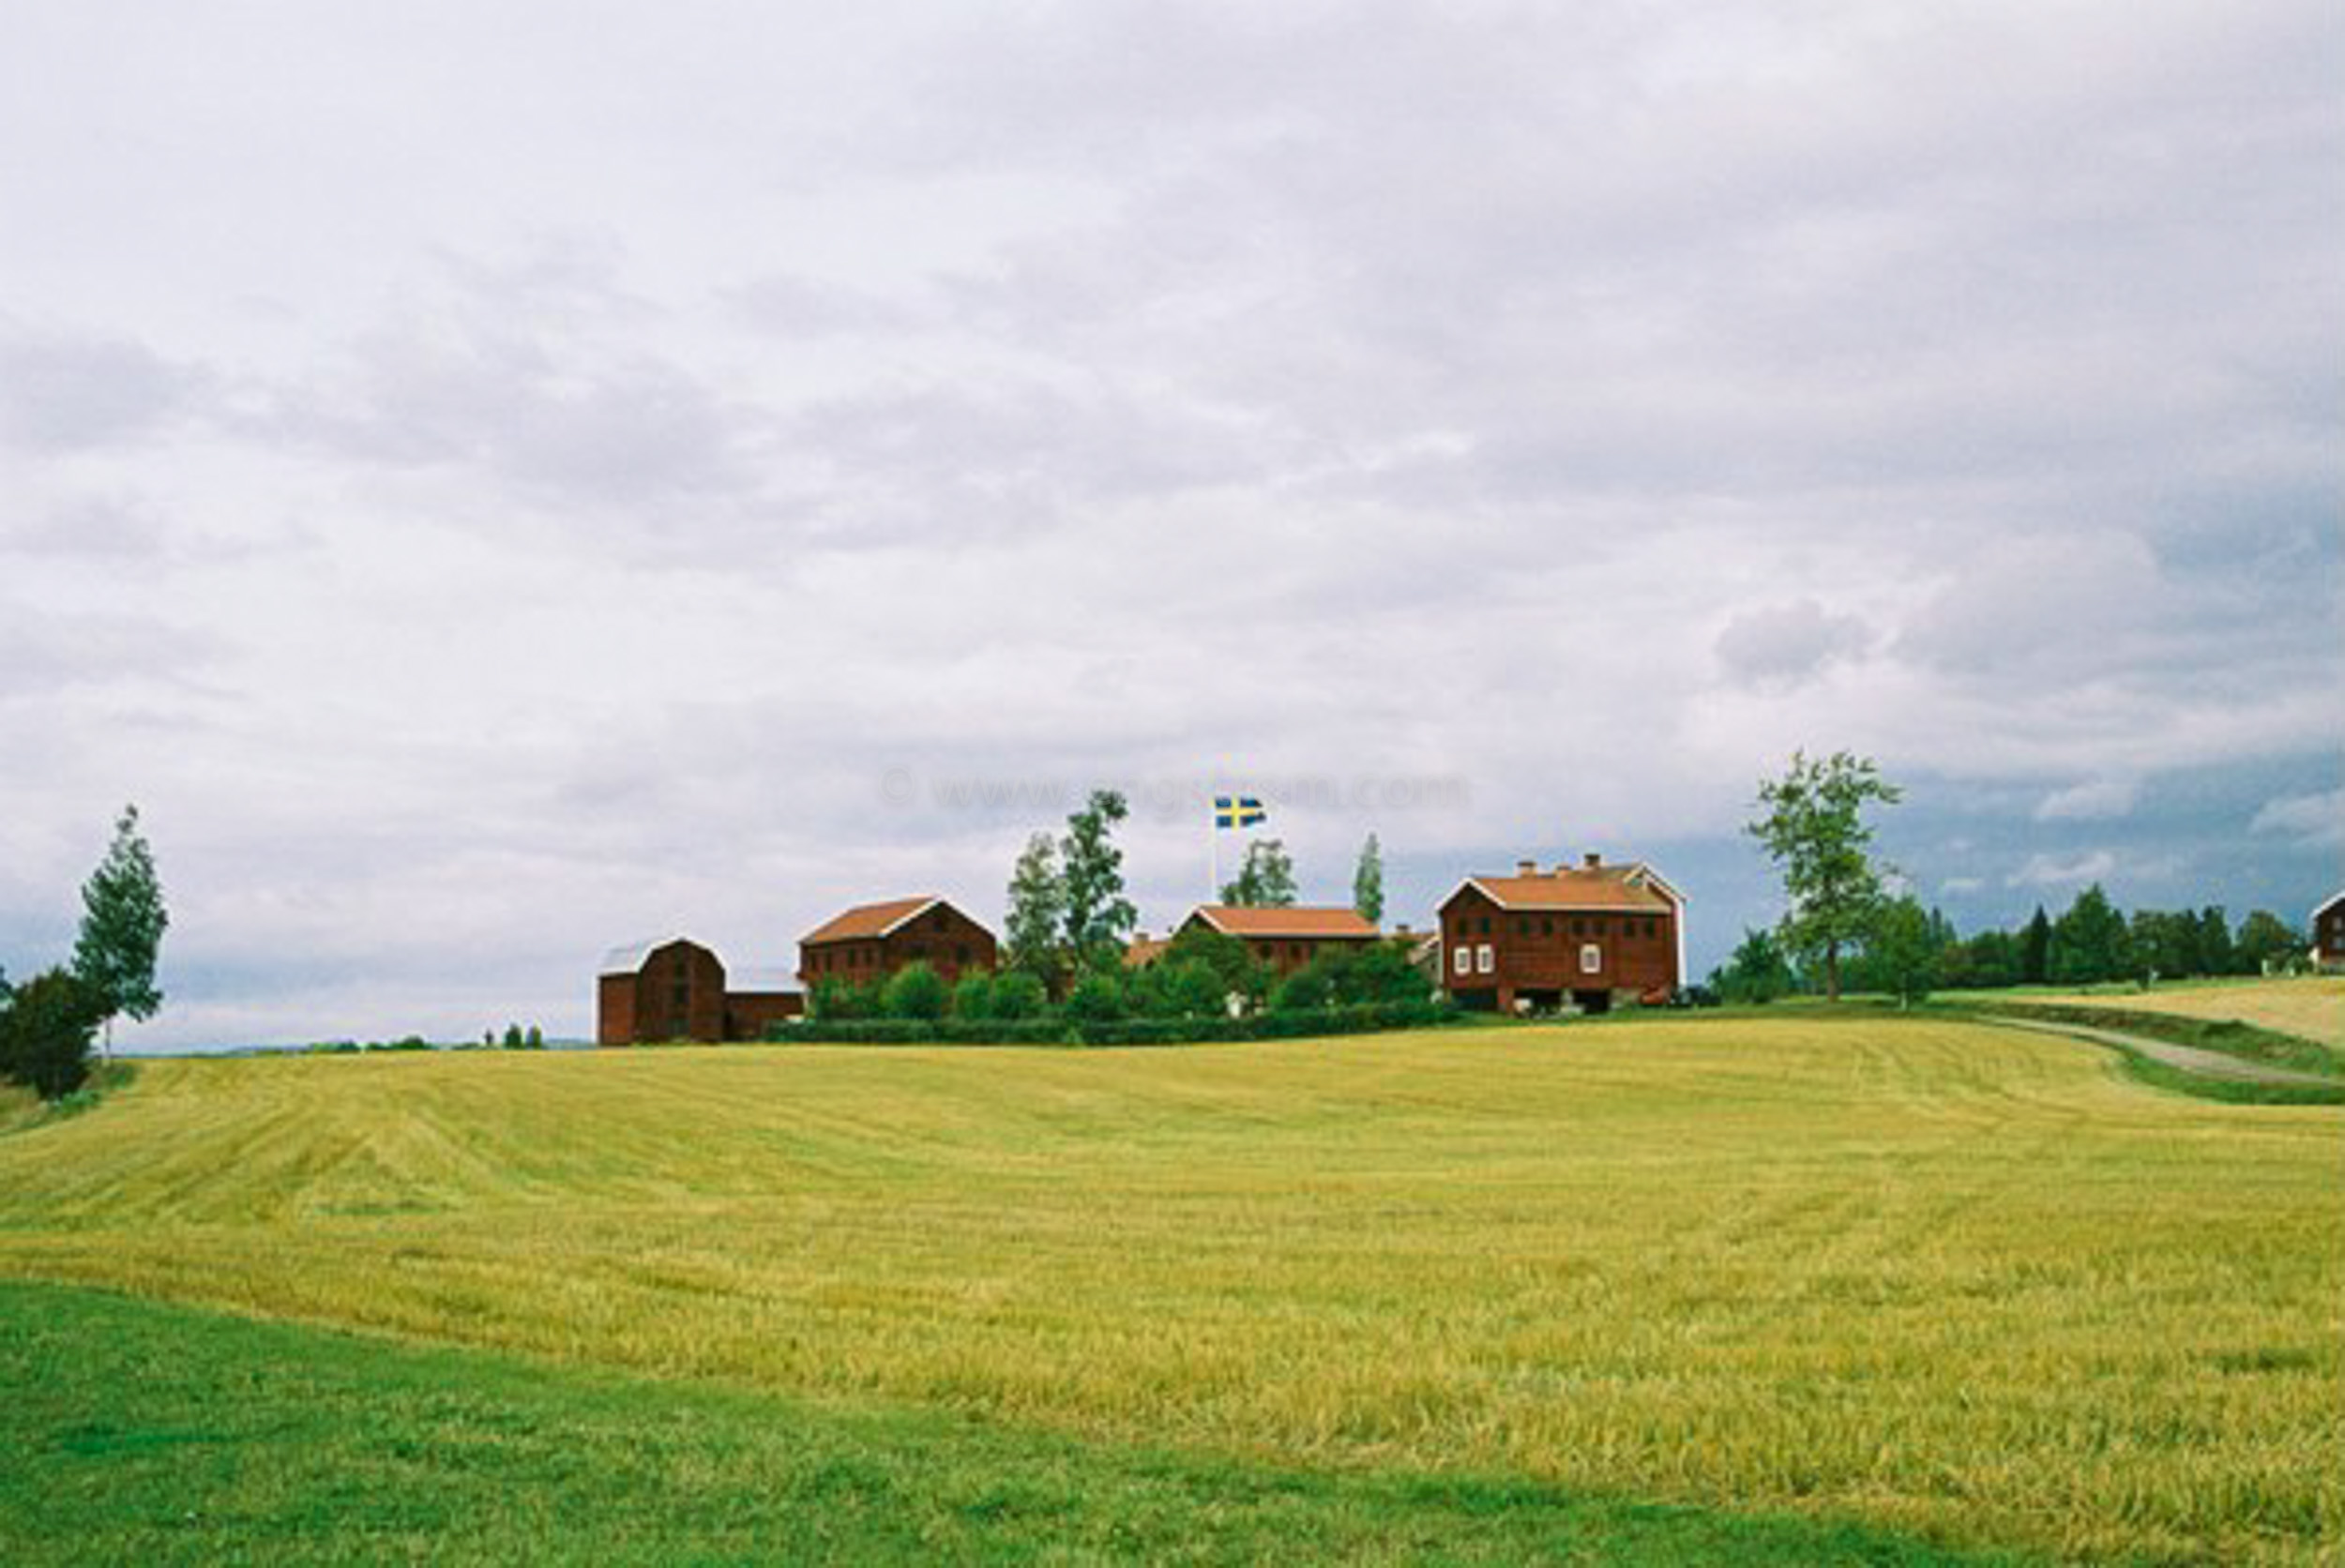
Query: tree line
{"type": "Point", "coordinates": [1842, 925]}
{"type": "Point", "coordinates": [49, 1024]}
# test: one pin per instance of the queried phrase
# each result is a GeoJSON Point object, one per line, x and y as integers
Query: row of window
{"type": "Point", "coordinates": [1483, 959]}
{"type": "Point", "coordinates": [1580, 926]}
{"type": "Point", "coordinates": [830, 960]}
{"type": "Point", "coordinates": [1268, 951]}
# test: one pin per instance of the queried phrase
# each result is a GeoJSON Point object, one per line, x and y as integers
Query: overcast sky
{"type": "Point", "coordinates": [496, 481]}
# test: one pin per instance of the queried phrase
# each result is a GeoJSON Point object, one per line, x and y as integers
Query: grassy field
{"type": "Point", "coordinates": [150, 1435]}
{"type": "Point", "coordinates": [2312, 1007]}
{"type": "Point", "coordinates": [1957, 1282]}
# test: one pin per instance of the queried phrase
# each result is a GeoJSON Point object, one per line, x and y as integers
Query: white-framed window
{"type": "Point", "coordinates": [1464, 960]}
{"type": "Point", "coordinates": [1485, 960]}
{"type": "Point", "coordinates": [1591, 958]}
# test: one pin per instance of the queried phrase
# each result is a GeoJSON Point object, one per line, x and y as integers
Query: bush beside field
{"type": "Point", "coordinates": [1365, 1018]}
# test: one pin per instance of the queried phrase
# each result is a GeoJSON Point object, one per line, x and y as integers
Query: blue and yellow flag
{"type": "Point", "coordinates": [1237, 811]}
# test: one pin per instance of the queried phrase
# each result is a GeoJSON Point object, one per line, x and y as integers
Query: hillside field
{"type": "Point", "coordinates": [2311, 1006]}
{"type": "Point", "coordinates": [1963, 1284]}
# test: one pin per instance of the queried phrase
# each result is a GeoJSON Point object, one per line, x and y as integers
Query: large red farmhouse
{"type": "Point", "coordinates": [1286, 938]}
{"type": "Point", "coordinates": [1589, 934]}
{"type": "Point", "coordinates": [872, 942]}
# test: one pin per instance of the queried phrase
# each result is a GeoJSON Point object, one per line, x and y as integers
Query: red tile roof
{"type": "Point", "coordinates": [1601, 887]}
{"type": "Point", "coordinates": [1238, 921]}
{"type": "Point", "coordinates": [1141, 952]}
{"type": "Point", "coordinates": [867, 920]}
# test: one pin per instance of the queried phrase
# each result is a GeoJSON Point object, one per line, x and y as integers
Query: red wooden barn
{"type": "Point", "coordinates": [1592, 935]}
{"type": "Point", "coordinates": [650, 991]}
{"type": "Point", "coordinates": [872, 942]}
{"type": "Point", "coordinates": [2328, 934]}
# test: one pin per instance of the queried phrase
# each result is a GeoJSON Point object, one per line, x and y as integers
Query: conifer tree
{"type": "Point", "coordinates": [122, 928]}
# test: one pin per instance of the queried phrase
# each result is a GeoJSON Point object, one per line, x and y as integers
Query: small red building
{"type": "Point", "coordinates": [1592, 935]}
{"type": "Point", "coordinates": [872, 942]}
{"type": "Point", "coordinates": [651, 991]}
{"type": "Point", "coordinates": [2328, 934]}
{"type": "Point", "coordinates": [1286, 938]}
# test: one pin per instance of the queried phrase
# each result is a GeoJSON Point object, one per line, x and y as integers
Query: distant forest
{"type": "Point", "coordinates": [1913, 949]}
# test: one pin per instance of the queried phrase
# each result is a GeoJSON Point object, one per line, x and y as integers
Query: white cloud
{"type": "Point", "coordinates": [2096, 800]}
{"type": "Point", "coordinates": [2315, 820]}
{"type": "Point", "coordinates": [2063, 870]}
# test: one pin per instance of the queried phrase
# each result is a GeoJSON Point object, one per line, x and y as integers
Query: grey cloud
{"type": "Point", "coordinates": [44, 654]}
{"type": "Point", "coordinates": [62, 391]}
{"type": "Point", "coordinates": [793, 307]}
{"type": "Point", "coordinates": [86, 528]}
{"type": "Point", "coordinates": [1788, 644]}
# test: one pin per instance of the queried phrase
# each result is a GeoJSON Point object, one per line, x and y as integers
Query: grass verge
{"type": "Point", "coordinates": [149, 1433]}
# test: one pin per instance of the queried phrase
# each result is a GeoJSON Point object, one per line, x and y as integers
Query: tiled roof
{"type": "Point", "coordinates": [1606, 887]}
{"type": "Point", "coordinates": [1240, 920]}
{"type": "Point", "coordinates": [867, 920]}
{"type": "Point", "coordinates": [1141, 952]}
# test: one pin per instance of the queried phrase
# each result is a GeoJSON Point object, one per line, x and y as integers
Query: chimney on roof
{"type": "Point", "coordinates": [1592, 860]}
{"type": "Point", "coordinates": [1526, 867]}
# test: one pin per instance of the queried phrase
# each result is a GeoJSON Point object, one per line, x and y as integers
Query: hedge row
{"type": "Point", "coordinates": [1365, 1017]}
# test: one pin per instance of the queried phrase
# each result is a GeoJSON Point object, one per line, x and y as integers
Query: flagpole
{"type": "Point", "coordinates": [1213, 851]}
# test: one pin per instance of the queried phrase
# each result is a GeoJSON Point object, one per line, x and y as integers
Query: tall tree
{"type": "Point", "coordinates": [1815, 830]}
{"type": "Point", "coordinates": [1368, 882]}
{"type": "Point", "coordinates": [1757, 972]}
{"type": "Point", "coordinates": [2265, 942]}
{"type": "Point", "coordinates": [2036, 949]}
{"type": "Point", "coordinates": [122, 928]}
{"type": "Point", "coordinates": [2215, 951]}
{"type": "Point", "coordinates": [2090, 942]}
{"type": "Point", "coordinates": [1097, 916]}
{"type": "Point", "coordinates": [1037, 911]}
{"type": "Point", "coordinates": [1265, 880]}
{"type": "Point", "coordinates": [1904, 948]}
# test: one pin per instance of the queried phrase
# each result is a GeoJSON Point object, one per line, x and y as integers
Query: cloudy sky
{"type": "Point", "coordinates": [495, 481]}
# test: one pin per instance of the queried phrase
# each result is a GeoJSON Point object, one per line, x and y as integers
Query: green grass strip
{"type": "Point", "coordinates": [142, 1433]}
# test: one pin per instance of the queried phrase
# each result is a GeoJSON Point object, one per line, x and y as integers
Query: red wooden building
{"type": "Point", "coordinates": [2328, 934]}
{"type": "Point", "coordinates": [676, 989]}
{"type": "Point", "coordinates": [872, 942]}
{"type": "Point", "coordinates": [1286, 938]}
{"type": "Point", "coordinates": [1592, 935]}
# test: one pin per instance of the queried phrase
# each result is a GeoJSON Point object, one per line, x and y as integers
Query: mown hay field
{"type": "Point", "coordinates": [1949, 1278]}
{"type": "Point", "coordinates": [2311, 1006]}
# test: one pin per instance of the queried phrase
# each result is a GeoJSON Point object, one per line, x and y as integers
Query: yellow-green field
{"type": "Point", "coordinates": [2311, 1007]}
{"type": "Point", "coordinates": [1945, 1277]}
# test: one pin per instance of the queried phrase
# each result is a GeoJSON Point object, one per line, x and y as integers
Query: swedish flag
{"type": "Point", "coordinates": [1237, 811]}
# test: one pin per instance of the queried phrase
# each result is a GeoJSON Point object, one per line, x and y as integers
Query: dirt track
{"type": "Point", "coordinates": [2190, 1059]}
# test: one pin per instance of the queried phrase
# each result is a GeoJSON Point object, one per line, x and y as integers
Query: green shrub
{"type": "Point", "coordinates": [1098, 997]}
{"type": "Point", "coordinates": [915, 992]}
{"type": "Point", "coordinates": [835, 998]}
{"type": "Point", "coordinates": [1003, 1031]}
{"type": "Point", "coordinates": [1307, 989]}
{"type": "Point", "coordinates": [1018, 995]}
{"type": "Point", "coordinates": [972, 997]}
{"type": "Point", "coordinates": [46, 1030]}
